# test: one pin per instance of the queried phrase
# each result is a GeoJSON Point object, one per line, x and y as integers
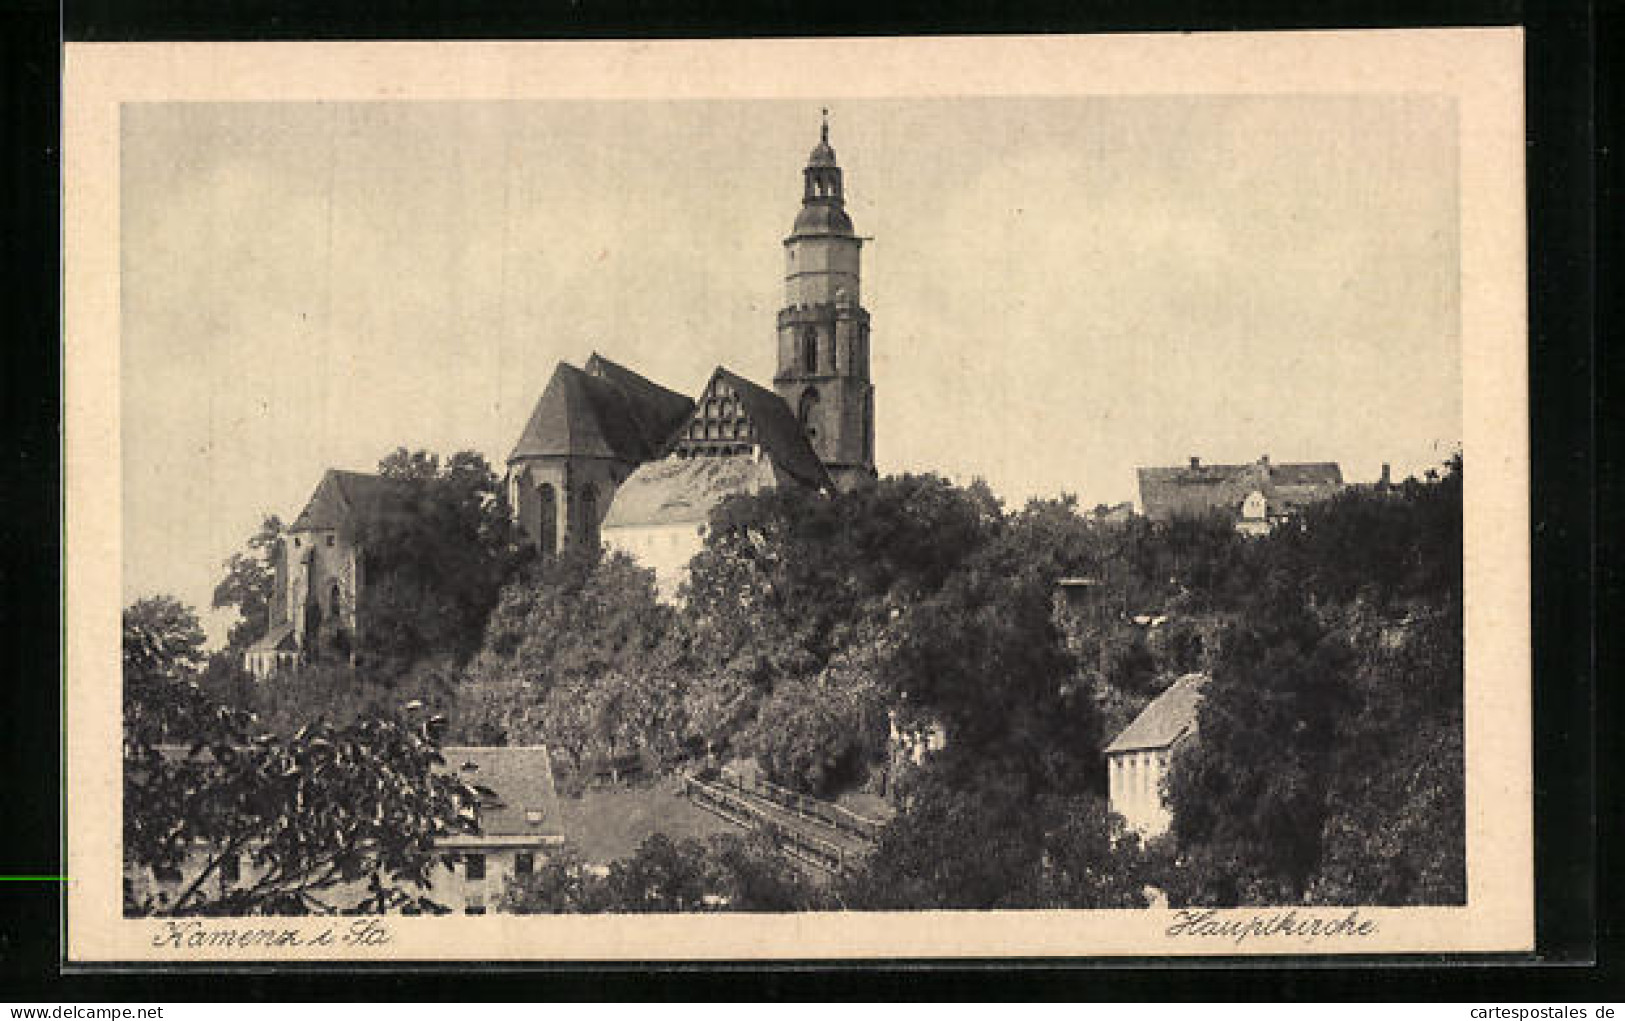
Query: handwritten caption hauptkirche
{"type": "Point", "coordinates": [1241, 926]}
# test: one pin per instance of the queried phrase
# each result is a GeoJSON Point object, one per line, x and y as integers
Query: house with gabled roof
{"type": "Point", "coordinates": [610, 456]}
{"type": "Point", "coordinates": [1138, 759]}
{"type": "Point", "coordinates": [1256, 496]}
{"type": "Point", "coordinates": [520, 825]}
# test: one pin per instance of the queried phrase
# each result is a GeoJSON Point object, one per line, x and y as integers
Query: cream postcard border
{"type": "Point", "coordinates": [1481, 68]}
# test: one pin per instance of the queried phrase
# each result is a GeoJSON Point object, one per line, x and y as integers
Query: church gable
{"type": "Point", "coordinates": [735, 416]}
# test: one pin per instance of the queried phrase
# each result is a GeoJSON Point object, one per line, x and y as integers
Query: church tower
{"type": "Point", "coordinates": [823, 372]}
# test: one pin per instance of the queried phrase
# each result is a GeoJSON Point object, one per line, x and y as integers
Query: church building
{"type": "Point", "coordinates": [318, 570]}
{"type": "Point", "coordinates": [609, 457]}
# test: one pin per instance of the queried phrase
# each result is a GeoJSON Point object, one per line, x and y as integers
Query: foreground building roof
{"type": "Point", "coordinates": [515, 784]}
{"type": "Point", "coordinates": [1169, 717]}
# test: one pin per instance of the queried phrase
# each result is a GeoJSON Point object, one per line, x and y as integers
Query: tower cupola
{"type": "Point", "coordinates": [823, 211]}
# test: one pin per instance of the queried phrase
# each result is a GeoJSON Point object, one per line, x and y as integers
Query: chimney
{"type": "Point", "coordinates": [1386, 480]}
{"type": "Point", "coordinates": [1264, 460]}
{"type": "Point", "coordinates": [1196, 462]}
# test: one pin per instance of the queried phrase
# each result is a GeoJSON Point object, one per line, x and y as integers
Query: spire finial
{"type": "Point", "coordinates": [823, 131]}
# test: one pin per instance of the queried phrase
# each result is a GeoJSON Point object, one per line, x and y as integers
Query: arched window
{"type": "Point", "coordinates": [589, 517]}
{"type": "Point", "coordinates": [334, 602]}
{"type": "Point", "coordinates": [869, 426]}
{"type": "Point", "coordinates": [547, 518]}
{"type": "Point", "coordinates": [808, 413]}
{"type": "Point", "coordinates": [809, 350]}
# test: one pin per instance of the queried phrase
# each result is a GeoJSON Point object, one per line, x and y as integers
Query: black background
{"type": "Point", "coordinates": [1574, 444]}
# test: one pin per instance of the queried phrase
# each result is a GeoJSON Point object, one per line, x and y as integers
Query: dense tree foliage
{"type": "Point", "coordinates": [322, 810]}
{"type": "Point", "coordinates": [728, 872]}
{"type": "Point", "coordinates": [250, 584]}
{"type": "Point", "coordinates": [828, 638]}
{"type": "Point", "coordinates": [578, 654]}
{"type": "Point", "coordinates": [1329, 765]}
{"type": "Point", "coordinates": [434, 567]}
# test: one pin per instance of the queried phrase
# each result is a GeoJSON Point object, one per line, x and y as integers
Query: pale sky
{"type": "Point", "coordinates": [1061, 289]}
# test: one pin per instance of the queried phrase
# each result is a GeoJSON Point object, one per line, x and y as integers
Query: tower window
{"type": "Point", "coordinates": [809, 350]}
{"type": "Point", "coordinates": [808, 413]}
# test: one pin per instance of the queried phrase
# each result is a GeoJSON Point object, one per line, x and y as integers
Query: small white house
{"type": "Point", "coordinates": [1139, 757]}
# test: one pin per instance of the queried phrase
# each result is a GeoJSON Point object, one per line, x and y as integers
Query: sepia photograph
{"type": "Point", "coordinates": [852, 508]}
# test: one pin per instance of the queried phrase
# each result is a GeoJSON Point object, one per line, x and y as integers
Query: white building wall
{"type": "Point", "coordinates": [666, 549]}
{"type": "Point", "coordinates": [1135, 789]}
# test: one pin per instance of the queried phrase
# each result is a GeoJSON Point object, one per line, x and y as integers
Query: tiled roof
{"type": "Point", "coordinates": [658, 411]}
{"type": "Point", "coordinates": [679, 490]}
{"type": "Point", "coordinates": [582, 416]}
{"type": "Point", "coordinates": [608, 411]}
{"type": "Point", "coordinates": [1169, 717]}
{"type": "Point", "coordinates": [1198, 489]}
{"type": "Point", "coordinates": [344, 497]}
{"type": "Point", "coordinates": [517, 796]}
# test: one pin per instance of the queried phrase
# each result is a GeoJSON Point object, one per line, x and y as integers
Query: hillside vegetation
{"type": "Point", "coordinates": [820, 636]}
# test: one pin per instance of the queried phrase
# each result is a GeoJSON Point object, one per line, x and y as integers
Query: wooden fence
{"type": "Point", "coordinates": [835, 816]}
{"type": "Point", "coordinates": [726, 800]}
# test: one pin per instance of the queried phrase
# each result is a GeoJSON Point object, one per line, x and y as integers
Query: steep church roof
{"type": "Point", "coordinates": [343, 498]}
{"type": "Point", "coordinates": [608, 411]}
{"type": "Point", "coordinates": [1199, 488]}
{"type": "Point", "coordinates": [1170, 716]}
{"type": "Point", "coordinates": [658, 410]}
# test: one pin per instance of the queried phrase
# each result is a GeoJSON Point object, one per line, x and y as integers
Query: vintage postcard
{"type": "Point", "coordinates": [797, 499]}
